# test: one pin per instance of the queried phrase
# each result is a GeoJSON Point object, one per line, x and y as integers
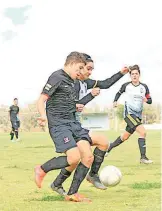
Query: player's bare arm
{"type": "Point", "coordinates": [41, 109]}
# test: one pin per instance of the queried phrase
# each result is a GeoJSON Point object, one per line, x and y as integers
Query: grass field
{"type": "Point", "coordinates": [139, 189]}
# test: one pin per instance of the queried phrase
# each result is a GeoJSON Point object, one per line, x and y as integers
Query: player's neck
{"type": "Point", "coordinates": [67, 72]}
{"type": "Point", "coordinates": [135, 83]}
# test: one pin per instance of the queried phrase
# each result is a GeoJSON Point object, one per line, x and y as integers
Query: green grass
{"type": "Point", "coordinates": [146, 185]}
{"type": "Point", "coordinates": [139, 189]}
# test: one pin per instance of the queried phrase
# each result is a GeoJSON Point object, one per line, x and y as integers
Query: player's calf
{"type": "Point", "coordinates": [93, 174]}
{"type": "Point", "coordinates": [12, 135]}
{"type": "Point", "coordinates": [57, 183]}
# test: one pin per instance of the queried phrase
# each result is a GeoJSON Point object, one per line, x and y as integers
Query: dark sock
{"type": "Point", "coordinates": [116, 143]}
{"type": "Point", "coordinates": [16, 134]}
{"type": "Point", "coordinates": [79, 175]}
{"type": "Point", "coordinates": [12, 135]}
{"type": "Point", "coordinates": [64, 174]}
{"type": "Point", "coordinates": [55, 163]}
{"type": "Point", "coordinates": [98, 159]}
{"type": "Point", "coordinates": [142, 147]}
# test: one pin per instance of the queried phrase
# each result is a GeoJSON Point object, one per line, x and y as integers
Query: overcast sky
{"type": "Point", "coordinates": [36, 36]}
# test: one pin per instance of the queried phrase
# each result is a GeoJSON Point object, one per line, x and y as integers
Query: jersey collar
{"type": "Point", "coordinates": [136, 85]}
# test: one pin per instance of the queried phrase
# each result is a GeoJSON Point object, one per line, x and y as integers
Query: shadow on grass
{"type": "Point", "coordinates": [48, 198]}
{"type": "Point", "coordinates": [39, 147]}
{"type": "Point", "coordinates": [121, 191]}
{"type": "Point", "coordinates": [145, 185]}
{"type": "Point", "coordinates": [129, 173]}
{"type": "Point", "coordinates": [12, 167]}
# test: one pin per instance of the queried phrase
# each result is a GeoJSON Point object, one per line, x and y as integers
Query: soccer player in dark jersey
{"type": "Point", "coordinates": [68, 135]}
{"type": "Point", "coordinates": [15, 122]}
{"type": "Point", "coordinates": [82, 85]}
{"type": "Point", "coordinates": [136, 94]}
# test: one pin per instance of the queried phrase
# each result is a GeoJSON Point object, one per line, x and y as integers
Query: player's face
{"type": "Point", "coordinates": [87, 71]}
{"type": "Point", "coordinates": [135, 76]}
{"type": "Point", "coordinates": [75, 70]}
{"type": "Point", "coordinates": [15, 102]}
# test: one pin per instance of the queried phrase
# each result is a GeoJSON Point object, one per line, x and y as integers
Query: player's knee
{"type": "Point", "coordinates": [143, 134]}
{"type": "Point", "coordinates": [104, 145]}
{"type": "Point", "coordinates": [87, 159]}
{"type": "Point", "coordinates": [125, 137]}
{"type": "Point", "coordinates": [74, 159]}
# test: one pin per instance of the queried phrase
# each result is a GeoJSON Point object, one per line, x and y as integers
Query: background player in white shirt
{"type": "Point", "coordinates": [136, 94]}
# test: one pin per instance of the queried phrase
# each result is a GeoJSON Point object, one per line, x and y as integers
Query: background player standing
{"type": "Point", "coordinates": [14, 118]}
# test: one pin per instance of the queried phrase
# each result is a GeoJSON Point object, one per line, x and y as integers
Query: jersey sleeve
{"type": "Point", "coordinates": [10, 109]}
{"type": "Point", "coordinates": [86, 99]}
{"type": "Point", "coordinates": [121, 91]}
{"type": "Point", "coordinates": [147, 95]}
{"type": "Point", "coordinates": [52, 84]}
{"type": "Point", "coordinates": [104, 84]}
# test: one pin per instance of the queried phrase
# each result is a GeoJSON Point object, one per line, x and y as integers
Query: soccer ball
{"type": "Point", "coordinates": [110, 176]}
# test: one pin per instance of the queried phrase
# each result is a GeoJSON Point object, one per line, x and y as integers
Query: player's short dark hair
{"type": "Point", "coordinates": [134, 67]}
{"type": "Point", "coordinates": [15, 98]}
{"type": "Point", "coordinates": [75, 57]}
{"type": "Point", "coordinates": [87, 57]}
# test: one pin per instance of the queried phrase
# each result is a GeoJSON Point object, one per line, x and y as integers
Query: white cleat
{"type": "Point", "coordinates": [145, 160]}
{"type": "Point", "coordinates": [17, 140]}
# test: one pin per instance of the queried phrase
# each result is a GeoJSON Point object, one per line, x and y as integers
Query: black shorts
{"type": "Point", "coordinates": [132, 123]}
{"type": "Point", "coordinates": [15, 125]}
{"type": "Point", "coordinates": [66, 136]}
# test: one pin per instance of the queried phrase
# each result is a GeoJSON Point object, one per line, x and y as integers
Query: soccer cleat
{"type": "Point", "coordinates": [96, 181]}
{"type": "Point", "coordinates": [39, 175]}
{"type": "Point", "coordinates": [60, 190]}
{"type": "Point", "coordinates": [18, 139]}
{"type": "Point", "coordinates": [145, 160]}
{"type": "Point", "coordinates": [77, 198]}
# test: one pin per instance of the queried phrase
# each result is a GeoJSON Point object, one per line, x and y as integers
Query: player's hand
{"type": "Point", "coordinates": [125, 70]}
{"type": "Point", "coordinates": [79, 107]}
{"type": "Point", "coordinates": [95, 91]}
{"type": "Point", "coordinates": [42, 121]}
{"type": "Point", "coordinates": [144, 99]}
{"type": "Point", "coordinates": [115, 104]}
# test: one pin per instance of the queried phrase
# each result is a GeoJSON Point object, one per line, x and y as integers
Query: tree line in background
{"type": "Point", "coordinates": [29, 115]}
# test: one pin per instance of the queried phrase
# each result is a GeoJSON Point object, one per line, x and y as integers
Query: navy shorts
{"type": "Point", "coordinates": [15, 125]}
{"type": "Point", "coordinates": [66, 136]}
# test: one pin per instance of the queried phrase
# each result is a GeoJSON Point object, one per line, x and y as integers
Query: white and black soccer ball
{"type": "Point", "coordinates": [110, 176]}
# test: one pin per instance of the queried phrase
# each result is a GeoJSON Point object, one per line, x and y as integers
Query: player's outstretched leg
{"type": "Point", "coordinates": [114, 144]}
{"type": "Point", "coordinates": [72, 158]}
